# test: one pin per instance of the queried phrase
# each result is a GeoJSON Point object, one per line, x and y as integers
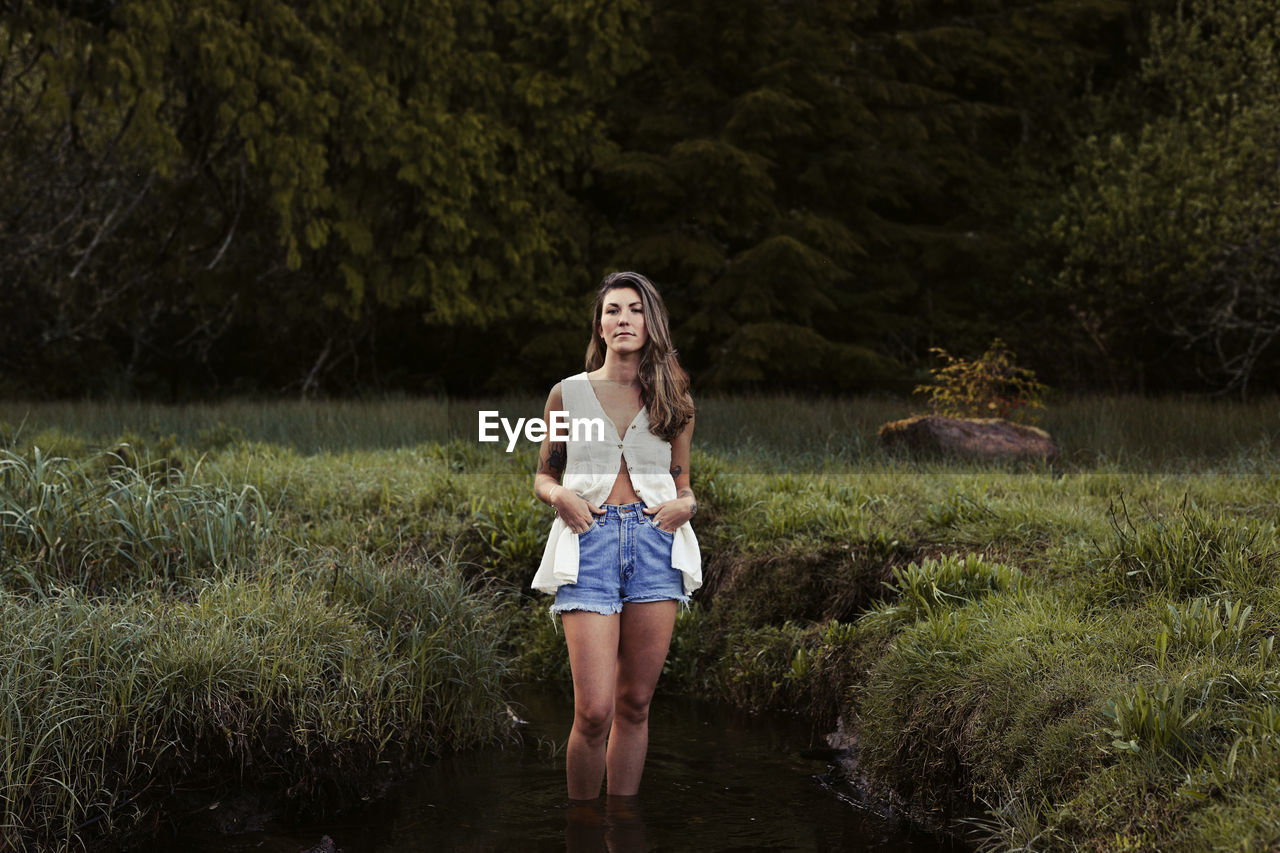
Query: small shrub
{"type": "Point", "coordinates": [991, 386]}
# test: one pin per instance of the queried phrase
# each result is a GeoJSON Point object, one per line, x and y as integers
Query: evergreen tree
{"type": "Point", "coordinates": [831, 180]}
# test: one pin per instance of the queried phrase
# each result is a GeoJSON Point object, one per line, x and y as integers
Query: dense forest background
{"type": "Point", "coordinates": [211, 197]}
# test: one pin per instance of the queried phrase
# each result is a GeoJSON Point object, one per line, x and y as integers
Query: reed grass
{"type": "Point", "coordinates": [279, 681]}
{"type": "Point", "coordinates": [156, 627]}
{"type": "Point", "coordinates": [306, 426]}
{"type": "Point", "coordinates": [62, 523]}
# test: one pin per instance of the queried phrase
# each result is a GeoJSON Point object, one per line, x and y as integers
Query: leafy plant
{"type": "Point", "coordinates": [1217, 627]}
{"type": "Point", "coordinates": [514, 531]}
{"type": "Point", "coordinates": [990, 386]}
{"type": "Point", "coordinates": [924, 589]}
{"type": "Point", "coordinates": [1157, 719]}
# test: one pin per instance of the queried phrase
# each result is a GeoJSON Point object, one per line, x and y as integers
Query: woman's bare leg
{"type": "Point", "coordinates": [644, 637]}
{"type": "Point", "coordinates": [593, 656]}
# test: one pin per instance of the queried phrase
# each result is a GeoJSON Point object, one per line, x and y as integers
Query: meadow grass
{"type": "Point", "coordinates": [1067, 655]}
{"type": "Point", "coordinates": [775, 432]}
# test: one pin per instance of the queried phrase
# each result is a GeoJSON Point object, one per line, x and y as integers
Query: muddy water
{"type": "Point", "coordinates": [716, 780]}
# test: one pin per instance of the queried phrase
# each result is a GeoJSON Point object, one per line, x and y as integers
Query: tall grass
{"type": "Point", "coordinates": [156, 627]}
{"type": "Point", "coordinates": [98, 524]}
{"type": "Point", "coordinates": [306, 426]}
{"type": "Point", "coordinates": [280, 681]}
{"type": "Point", "coordinates": [1187, 553]}
{"type": "Point", "coordinates": [1173, 433]}
{"type": "Point", "coordinates": [775, 433]}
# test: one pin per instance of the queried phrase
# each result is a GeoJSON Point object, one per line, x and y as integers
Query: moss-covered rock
{"type": "Point", "coordinates": [976, 438]}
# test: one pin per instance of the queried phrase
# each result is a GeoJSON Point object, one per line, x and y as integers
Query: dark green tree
{"type": "Point", "coordinates": [833, 183]}
{"type": "Point", "coordinates": [1171, 233]}
{"type": "Point", "coordinates": [269, 194]}
{"type": "Point", "coordinates": [183, 176]}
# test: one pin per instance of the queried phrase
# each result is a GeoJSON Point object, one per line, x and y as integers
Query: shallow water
{"type": "Point", "coordinates": [716, 780]}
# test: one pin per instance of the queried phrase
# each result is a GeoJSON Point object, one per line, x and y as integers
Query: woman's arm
{"type": "Point", "coordinates": [671, 514]}
{"type": "Point", "coordinates": [551, 456]}
{"type": "Point", "coordinates": [547, 487]}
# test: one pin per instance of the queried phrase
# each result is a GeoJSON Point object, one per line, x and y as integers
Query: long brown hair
{"type": "Point", "coordinates": [664, 386]}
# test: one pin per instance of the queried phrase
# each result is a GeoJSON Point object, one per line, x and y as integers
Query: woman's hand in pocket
{"type": "Point", "coordinates": [578, 512]}
{"type": "Point", "coordinates": [669, 515]}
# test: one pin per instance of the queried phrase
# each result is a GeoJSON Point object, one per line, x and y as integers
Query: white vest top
{"type": "Point", "coordinates": [592, 468]}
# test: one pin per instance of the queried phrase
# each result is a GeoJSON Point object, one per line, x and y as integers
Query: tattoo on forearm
{"type": "Point", "coordinates": [553, 463]}
{"type": "Point", "coordinates": [676, 471]}
{"type": "Point", "coordinates": [688, 493]}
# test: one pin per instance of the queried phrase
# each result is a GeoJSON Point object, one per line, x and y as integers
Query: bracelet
{"type": "Point", "coordinates": [551, 498]}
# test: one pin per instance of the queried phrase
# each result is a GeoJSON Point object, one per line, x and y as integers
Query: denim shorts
{"type": "Point", "coordinates": [623, 558]}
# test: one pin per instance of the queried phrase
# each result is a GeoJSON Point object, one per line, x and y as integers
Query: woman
{"type": "Point", "coordinates": [621, 555]}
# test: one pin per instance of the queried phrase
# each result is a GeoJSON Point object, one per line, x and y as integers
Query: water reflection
{"type": "Point", "coordinates": [606, 825]}
{"type": "Point", "coordinates": [715, 780]}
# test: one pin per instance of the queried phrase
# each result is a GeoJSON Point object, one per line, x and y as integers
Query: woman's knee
{"type": "Point", "coordinates": [633, 706]}
{"type": "Point", "coordinates": [593, 720]}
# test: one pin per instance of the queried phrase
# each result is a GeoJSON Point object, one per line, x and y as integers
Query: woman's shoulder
{"type": "Point", "coordinates": [556, 395]}
{"type": "Point", "coordinates": [555, 398]}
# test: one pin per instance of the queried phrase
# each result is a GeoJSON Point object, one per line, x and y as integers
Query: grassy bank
{"type": "Point", "coordinates": [1078, 661]}
{"type": "Point", "coordinates": [1076, 656]}
{"type": "Point", "coordinates": [161, 641]}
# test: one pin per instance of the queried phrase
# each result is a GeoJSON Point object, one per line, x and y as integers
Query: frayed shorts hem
{"type": "Point", "coordinates": [602, 609]}
{"type": "Point", "coordinates": [616, 606]}
{"type": "Point", "coordinates": [679, 599]}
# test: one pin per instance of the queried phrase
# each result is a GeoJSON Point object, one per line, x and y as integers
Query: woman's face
{"type": "Point", "coordinates": [622, 321]}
